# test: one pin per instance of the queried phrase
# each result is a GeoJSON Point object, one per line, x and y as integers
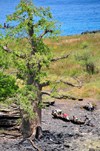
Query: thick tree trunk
{"type": "Point", "coordinates": [33, 126]}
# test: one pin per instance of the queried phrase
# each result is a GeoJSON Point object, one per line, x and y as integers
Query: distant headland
{"type": "Point", "coordinates": [90, 32]}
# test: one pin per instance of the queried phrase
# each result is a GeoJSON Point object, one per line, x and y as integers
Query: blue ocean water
{"type": "Point", "coordinates": [77, 16]}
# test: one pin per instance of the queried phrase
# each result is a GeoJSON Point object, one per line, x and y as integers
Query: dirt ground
{"type": "Point", "coordinates": [60, 135]}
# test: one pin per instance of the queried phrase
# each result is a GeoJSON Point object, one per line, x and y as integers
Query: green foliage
{"type": "Point", "coordinates": [7, 86]}
{"type": "Point", "coordinates": [26, 96]}
{"type": "Point", "coordinates": [86, 59]}
{"type": "Point", "coordinates": [31, 24]}
{"type": "Point", "coordinates": [84, 45]}
{"type": "Point", "coordinates": [73, 72]}
{"type": "Point", "coordinates": [94, 104]}
{"type": "Point", "coordinates": [4, 59]}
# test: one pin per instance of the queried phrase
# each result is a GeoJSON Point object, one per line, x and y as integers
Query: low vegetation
{"type": "Point", "coordinates": [83, 62]}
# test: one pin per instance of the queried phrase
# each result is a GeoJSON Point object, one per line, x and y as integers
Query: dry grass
{"type": "Point", "coordinates": [69, 67]}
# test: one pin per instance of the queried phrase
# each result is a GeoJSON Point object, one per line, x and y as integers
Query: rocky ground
{"type": "Point", "coordinates": [59, 135]}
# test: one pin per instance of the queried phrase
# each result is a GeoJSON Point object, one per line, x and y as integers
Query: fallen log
{"type": "Point", "coordinates": [73, 120]}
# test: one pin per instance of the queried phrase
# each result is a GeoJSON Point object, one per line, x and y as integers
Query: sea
{"type": "Point", "coordinates": [75, 16]}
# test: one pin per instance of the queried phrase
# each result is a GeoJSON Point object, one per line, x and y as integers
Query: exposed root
{"type": "Point", "coordinates": [34, 145]}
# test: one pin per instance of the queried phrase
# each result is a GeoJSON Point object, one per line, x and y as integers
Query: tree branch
{"type": "Point", "coordinates": [36, 24]}
{"type": "Point", "coordinates": [78, 81]}
{"type": "Point", "coordinates": [62, 96]}
{"type": "Point", "coordinates": [68, 83]}
{"type": "Point", "coordinates": [58, 58]}
{"type": "Point", "coordinates": [45, 32]}
{"type": "Point", "coordinates": [9, 50]}
{"type": "Point", "coordinates": [45, 84]}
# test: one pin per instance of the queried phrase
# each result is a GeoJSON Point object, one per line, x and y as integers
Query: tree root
{"type": "Point", "coordinates": [34, 145]}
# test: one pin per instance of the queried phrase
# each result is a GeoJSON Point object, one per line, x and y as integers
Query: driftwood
{"type": "Point", "coordinates": [73, 120]}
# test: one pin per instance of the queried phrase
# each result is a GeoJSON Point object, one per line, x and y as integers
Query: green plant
{"type": "Point", "coordinates": [86, 59]}
{"type": "Point", "coordinates": [84, 45]}
{"type": "Point", "coordinates": [94, 104]}
{"type": "Point", "coordinates": [73, 72]}
{"type": "Point", "coordinates": [8, 86]}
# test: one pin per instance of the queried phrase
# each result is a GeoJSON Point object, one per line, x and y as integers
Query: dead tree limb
{"type": "Point", "coordinates": [80, 83]}
{"type": "Point", "coordinates": [68, 83]}
{"type": "Point", "coordinates": [58, 58]}
{"type": "Point", "coordinates": [62, 96]}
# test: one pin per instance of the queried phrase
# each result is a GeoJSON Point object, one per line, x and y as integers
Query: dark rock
{"type": "Point", "coordinates": [91, 149]}
{"type": "Point", "coordinates": [90, 32]}
{"type": "Point", "coordinates": [67, 145]}
{"type": "Point", "coordinates": [71, 134]}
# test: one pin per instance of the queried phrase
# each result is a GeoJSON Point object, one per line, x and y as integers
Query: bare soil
{"type": "Point", "coordinates": [59, 135]}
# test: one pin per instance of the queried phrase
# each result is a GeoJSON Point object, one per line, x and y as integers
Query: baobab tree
{"type": "Point", "coordinates": [31, 25]}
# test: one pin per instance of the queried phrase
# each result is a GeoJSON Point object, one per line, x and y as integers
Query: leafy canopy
{"type": "Point", "coordinates": [27, 51]}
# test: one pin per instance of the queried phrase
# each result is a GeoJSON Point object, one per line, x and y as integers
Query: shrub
{"type": "Point", "coordinates": [84, 45]}
{"type": "Point", "coordinates": [86, 59]}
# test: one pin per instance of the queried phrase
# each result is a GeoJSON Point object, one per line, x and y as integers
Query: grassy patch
{"type": "Point", "coordinates": [70, 67]}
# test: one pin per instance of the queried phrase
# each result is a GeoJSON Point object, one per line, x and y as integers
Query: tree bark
{"type": "Point", "coordinates": [33, 125]}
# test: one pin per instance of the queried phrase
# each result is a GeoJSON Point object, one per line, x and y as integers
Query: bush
{"type": "Point", "coordinates": [7, 86]}
{"type": "Point", "coordinates": [86, 59]}
{"type": "Point", "coordinates": [84, 45]}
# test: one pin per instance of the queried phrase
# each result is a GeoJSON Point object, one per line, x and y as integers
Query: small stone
{"type": "Point", "coordinates": [67, 145]}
